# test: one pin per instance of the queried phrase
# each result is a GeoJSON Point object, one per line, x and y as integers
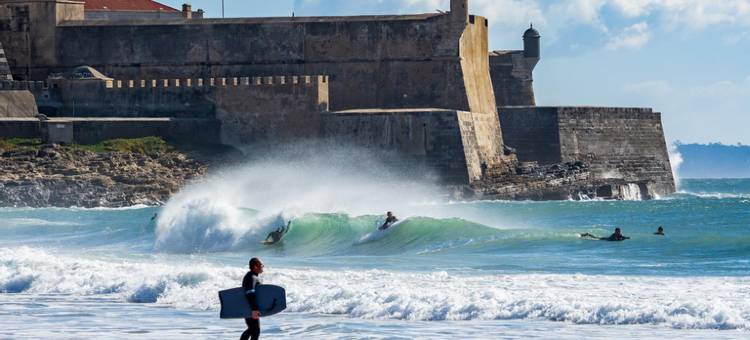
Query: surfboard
{"type": "Point", "coordinates": [271, 300]}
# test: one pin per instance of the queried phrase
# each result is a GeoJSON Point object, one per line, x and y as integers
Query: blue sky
{"type": "Point", "coordinates": [689, 59]}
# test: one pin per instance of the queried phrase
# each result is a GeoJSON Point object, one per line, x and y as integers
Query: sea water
{"type": "Point", "coordinates": [488, 269]}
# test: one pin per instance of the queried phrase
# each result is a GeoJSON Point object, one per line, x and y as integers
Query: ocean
{"type": "Point", "coordinates": [468, 270]}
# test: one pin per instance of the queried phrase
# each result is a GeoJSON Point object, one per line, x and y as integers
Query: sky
{"type": "Point", "coordinates": [689, 59]}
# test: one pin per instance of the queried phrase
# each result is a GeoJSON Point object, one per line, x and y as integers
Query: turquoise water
{"type": "Point", "coordinates": [470, 270]}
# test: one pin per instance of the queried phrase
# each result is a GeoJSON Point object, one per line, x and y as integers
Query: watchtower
{"type": "Point", "coordinates": [460, 11]}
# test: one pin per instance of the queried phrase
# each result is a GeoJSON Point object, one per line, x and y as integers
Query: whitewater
{"type": "Point", "coordinates": [486, 269]}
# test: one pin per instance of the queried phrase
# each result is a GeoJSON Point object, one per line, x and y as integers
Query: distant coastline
{"type": "Point", "coordinates": [714, 160]}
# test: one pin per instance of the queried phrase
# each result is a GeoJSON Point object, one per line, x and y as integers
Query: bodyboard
{"type": "Point", "coordinates": [271, 300]}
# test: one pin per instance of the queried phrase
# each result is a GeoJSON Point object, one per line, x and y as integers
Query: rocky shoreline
{"type": "Point", "coordinates": [61, 176]}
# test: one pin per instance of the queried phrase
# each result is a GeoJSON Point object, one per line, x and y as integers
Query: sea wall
{"type": "Point", "coordinates": [94, 130]}
{"type": "Point", "coordinates": [444, 142]}
{"type": "Point", "coordinates": [625, 144]}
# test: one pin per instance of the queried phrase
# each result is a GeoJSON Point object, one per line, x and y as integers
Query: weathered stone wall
{"type": "Point", "coordinates": [533, 131]}
{"type": "Point", "coordinates": [253, 110]}
{"type": "Point", "coordinates": [443, 141]}
{"type": "Point", "coordinates": [94, 130]}
{"type": "Point", "coordinates": [17, 103]}
{"type": "Point", "coordinates": [512, 78]}
{"type": "Point", "coordinates": [281, 110]}
{"type": "Point", "coordinates": [409, 61]}
{"type": "Point", "coordinates": [28, 31]}
{"type": "Point", "coordinates": [617, 143]}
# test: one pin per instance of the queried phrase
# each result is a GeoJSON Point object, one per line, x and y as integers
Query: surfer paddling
{"type": "Point", "coordinates": [389, 221]}
{"type": "Point", "coordinates": [659, 231]}
{"type": "Point", "coordinates": [248, 283]}
{"type": "Point", "coordinates": [617, 236]}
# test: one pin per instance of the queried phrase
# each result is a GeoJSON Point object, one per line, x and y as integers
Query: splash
{"type": "Point", "coordinates": [213, 215]}
{"type": "Point", "coordinates": [675, 159]}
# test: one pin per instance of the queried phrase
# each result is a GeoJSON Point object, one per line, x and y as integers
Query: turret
{"type": "Point", "coordinates": [460, 11]}
{"type": "Point", "coordinates": [531, 46]}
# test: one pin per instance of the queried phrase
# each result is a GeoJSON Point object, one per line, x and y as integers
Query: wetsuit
{"type": "Point", "coordinates": [615, 237]}
{"type": "Point", "coordinates": [388, 222]}
{"type": "Point", "coordinates": [253, 325]}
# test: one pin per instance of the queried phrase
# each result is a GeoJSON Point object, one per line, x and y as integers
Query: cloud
{"type": "Point", "coordinates": [632, 37]}
{"type": "Point", "coordinates": [651, 88]}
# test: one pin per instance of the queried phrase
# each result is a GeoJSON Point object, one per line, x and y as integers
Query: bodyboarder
{"type": "Point", "coordinates": [248, 283]}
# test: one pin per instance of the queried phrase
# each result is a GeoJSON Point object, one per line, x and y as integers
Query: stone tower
{"type": "Point", "coordinates": [4, 68]}
{"type": "Point", "coordinates": [30, 33]}
{"type": "Point", "coordinates": [460, 11]}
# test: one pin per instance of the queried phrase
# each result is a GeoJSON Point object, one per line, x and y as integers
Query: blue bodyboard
{"type": "Point", "coordinates": [271, 300]}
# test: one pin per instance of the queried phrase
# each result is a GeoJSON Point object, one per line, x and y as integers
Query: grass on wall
{"type": "Point", "coordinates": [145, 145]}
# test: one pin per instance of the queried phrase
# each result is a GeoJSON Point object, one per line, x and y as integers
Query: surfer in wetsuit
{"type": "Point", "coordinates": [617, 236]}
{"type": "Point", "coordinates": [659, 231]}
{"type": "Point", "coordinates": [275, 236]}
{"type": "Point", "coordinates": [248, 283]}
{"type": "Point", "coordinates": [389, 221]}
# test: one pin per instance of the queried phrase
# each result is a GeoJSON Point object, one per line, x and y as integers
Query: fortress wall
{"type": "Point", "coordinates": [20, 127]}
{"type": "Point", "coordinates": [378, 61]}
{"type": "Point", "coordinates": [420, 140]}
{"type": "Point", "coordinates": [95, 130]}
{"type": "Point", "coordinates": [17, 103]}
{"type": "Point", "coordinates": [252, 110]}
{"type": "Point", "coordinates": [617, 143]}
{"type": "Point", "coordinates": [443, 142]}
{"type": "Point", "coordinates": [534, 133]}
{"type": "Point", "coordinates": [283, 109]}
{"type": "Point", "coordinates": [512, 78]}
{"type": "Point", "coordinates": [28, 32]}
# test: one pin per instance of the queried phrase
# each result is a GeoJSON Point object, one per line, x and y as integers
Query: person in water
{"type": "Point", "coordinates": [248, 283]}
{"type": "Point", "coordinates": [275, 236]}
{"type": "Point", "coordinates": [617, 236]}
{"type": "Point", "coordinates": [659, 231]}
{"type": "Point", "coordinates": [389, 221]}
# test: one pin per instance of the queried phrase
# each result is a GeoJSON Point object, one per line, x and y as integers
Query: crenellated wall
{"type": "Point", "coordinates": [399, 61]}
{"type": "Point", "coordinates": [253, 110]}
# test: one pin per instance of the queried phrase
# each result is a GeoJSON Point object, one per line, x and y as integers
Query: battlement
{"type": "Point", "coordinates": [22, 85]}
{"type": "Point", "coordinates": [207, 83]}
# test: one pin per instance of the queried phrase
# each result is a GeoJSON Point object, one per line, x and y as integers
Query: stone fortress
{"type": "Point", "coordinates": [423, 86]}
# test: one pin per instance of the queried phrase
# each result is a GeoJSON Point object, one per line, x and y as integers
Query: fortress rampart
{"type": "Point", "coordinates": [424, 86]}
{"type": "Point", "coordinates": [617, 143]}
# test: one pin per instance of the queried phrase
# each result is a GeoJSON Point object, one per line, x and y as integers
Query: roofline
{"type": "Point", "coordinates": [259, 20]}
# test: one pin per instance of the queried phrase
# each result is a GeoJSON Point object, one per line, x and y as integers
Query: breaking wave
{"type": "Point", "coordinates": [681, 303]}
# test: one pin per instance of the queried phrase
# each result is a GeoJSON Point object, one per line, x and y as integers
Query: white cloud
{"type": "Point", "coordinates": [632, 37]}
{"type": "Point", "coordinates": [651, 88]}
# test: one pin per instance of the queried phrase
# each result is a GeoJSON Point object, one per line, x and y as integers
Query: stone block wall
{"type": "Point", "coordinates": [512, 78]}
{"type": "Point", "coordinates": [626, 144]}
{"type": "Point", "coordinates": [444, 143]}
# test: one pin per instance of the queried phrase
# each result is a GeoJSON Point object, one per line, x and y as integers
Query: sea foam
{"type": "Point", "coordinates": [678, 302]}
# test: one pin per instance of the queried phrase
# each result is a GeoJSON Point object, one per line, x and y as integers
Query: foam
{"type": "Point", "coordinates": [677, 302]}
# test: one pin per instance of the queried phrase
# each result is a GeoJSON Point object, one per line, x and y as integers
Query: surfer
{"type": "Point", "coordinates": [275, 236]}
{"type": "Point", "coordinates": [617, 236]}
{"type": "Point", "coordinates": [389, 221]}
{"type": "Point", "coordinates": [249, 283]}
{"type": "Point", "coordinates": [659, 231]}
